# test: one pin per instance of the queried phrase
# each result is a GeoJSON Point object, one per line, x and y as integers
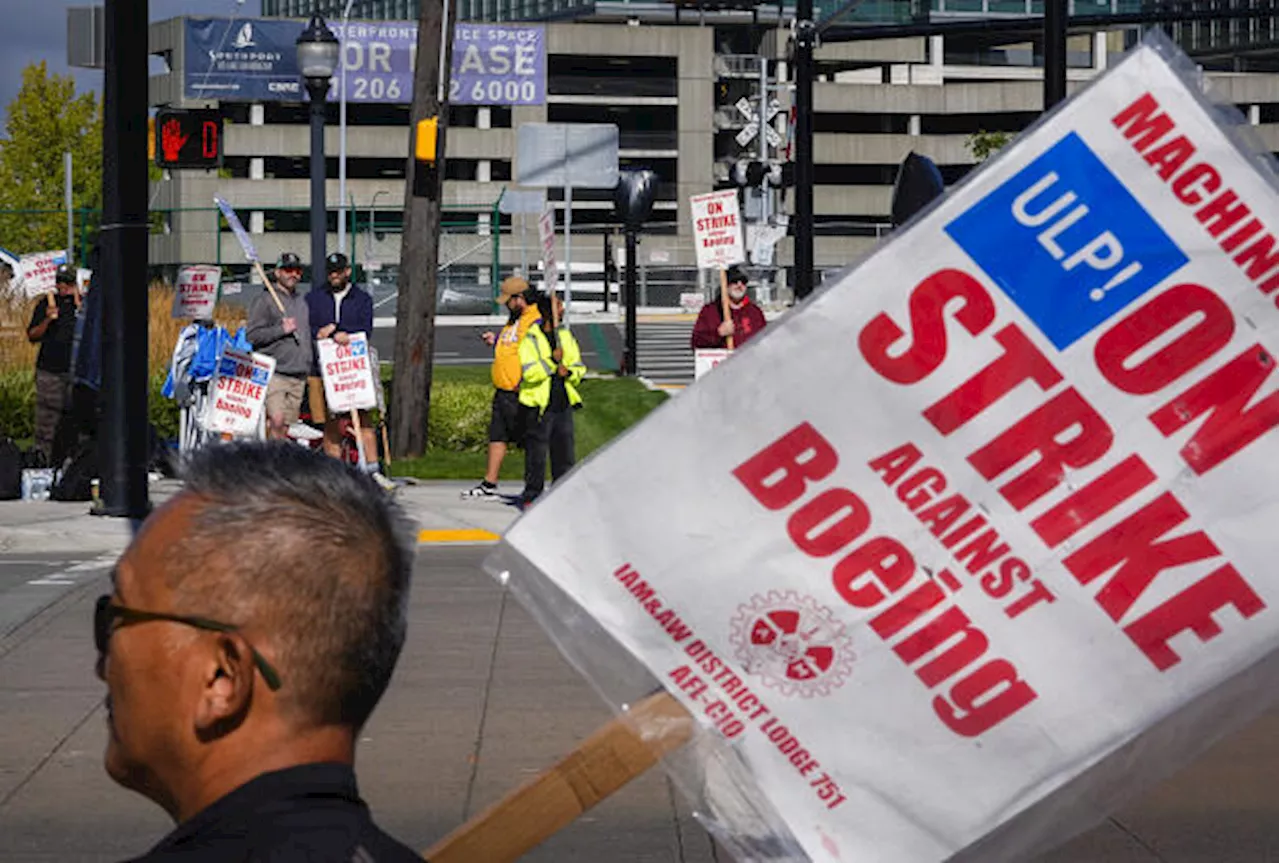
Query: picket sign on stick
{"type": "Point", "coordinates": [616, 753]}
{"type": "Point", "coordinates": [717, 238]}
{"type": "Point", "coordinates": [251, 251]}
{"type": "Point", "coordinates": [935, 630]}
{"type": "Point", "coordinates": [725, 313]}
{"type": "Point", "coordinates": [348, 379]}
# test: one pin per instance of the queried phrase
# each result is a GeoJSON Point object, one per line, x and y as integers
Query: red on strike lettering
{"type": "Point", "coordinates": [1144, 325]}
{"type": "Point", "coordinates": [1224, 394]}
{"type": "Point", "coordinates": [777, 475]}
{"type": "Point", "coordinates": [1192, 609]}
{"type": "Point", "coordinates": [928, 347]}
{"type": "Point", "coordinates": [882, 557]}
{"type": "Point", "coordinates": [1088, 504]}
{"type": "Point", "coordinates": [984, 699]}
{"type": "Point", "coordinates": [1141, 123]}
{"type": "Point", "coordinates": [841, 515]}
{"type": "Point", "coordinates": [1193, 181]}
{"type": "Point", "coordinates": [1038, 433]}
{"type": "Point", "coordinates": [1021, 361]}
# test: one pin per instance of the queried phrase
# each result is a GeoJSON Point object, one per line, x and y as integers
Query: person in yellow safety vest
{"type": "Point", "coordinates": [549, 393]}
{"type": "Point", "coordinates": [506, 419]}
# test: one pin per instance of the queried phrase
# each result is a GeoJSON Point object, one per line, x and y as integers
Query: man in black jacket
{"type": "Point", "coordinates": [53, 326]}
{"type": "Point", "coordinates": [239, 672]}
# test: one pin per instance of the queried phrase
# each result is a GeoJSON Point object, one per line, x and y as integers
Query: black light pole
{"type": "Point", "coordinates": [806, 35]}
{"type": "Point", "coordinates": [317, 49]}
{"type": "Point", "coordinates": [633, 202]}
{"type": "Point", "coordinates": [1055, 52]}
{"type": "Point", "coordinates": [122, 244]}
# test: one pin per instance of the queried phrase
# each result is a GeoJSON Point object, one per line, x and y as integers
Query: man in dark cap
{"type": "Point", "coordinates": [746, 320]}
{"type": "Point", "coordinates": [53, 326]}
{"type": "Point", "coordinates": [336, 310]}
{"type": "Point", "coordinates": [285, 336]}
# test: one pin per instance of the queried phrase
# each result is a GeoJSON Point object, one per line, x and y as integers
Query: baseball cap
{"type": "Point", "coordinates": [289, 261]}
{"type": "Point", "coordinates": [512, 286]}
{"type": "Point", "coordinates": [336, 262]}
{"type": "Point", "coordinates": [66, 275]}
{"type": "Point", "coordinates": [735, 275]}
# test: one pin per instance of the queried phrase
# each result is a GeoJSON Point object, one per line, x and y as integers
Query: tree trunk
{"type": "Point", "coordinates": [420, 244]}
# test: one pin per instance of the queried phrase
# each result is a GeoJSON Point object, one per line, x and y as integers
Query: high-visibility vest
{"type": "Point", "coordinates": [537, 368]}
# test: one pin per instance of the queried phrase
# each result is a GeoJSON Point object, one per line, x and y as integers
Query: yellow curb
{"type": "Point", "coordinates": [665, 319]}
{"type": "Point", "coordinates": [458, 535]}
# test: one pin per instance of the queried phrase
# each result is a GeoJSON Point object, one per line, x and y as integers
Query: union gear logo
{"type": "Point", "coordinates": [794, 643]}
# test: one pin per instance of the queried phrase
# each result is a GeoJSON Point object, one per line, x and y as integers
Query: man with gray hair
{"type": "Point", "coordinates": [239, 672]}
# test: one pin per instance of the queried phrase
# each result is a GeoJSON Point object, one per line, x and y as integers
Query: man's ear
{"type": "Point", "coordinates": [226, 693]}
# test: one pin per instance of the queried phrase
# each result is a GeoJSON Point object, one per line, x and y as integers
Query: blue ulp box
{"type": "Point", "coordinates": [1067, 242]}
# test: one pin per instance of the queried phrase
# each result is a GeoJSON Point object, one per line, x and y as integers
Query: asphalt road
{"type": "Point", "coordinates": [481, 701]}
{"type": "Point", "coordinates": [601, 345]}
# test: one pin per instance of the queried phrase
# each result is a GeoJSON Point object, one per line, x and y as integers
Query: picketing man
{"type": "Point", "coordinates": [239, 673]}
{"type": "Point", "coordinates": [549, 395]}
{"type": "Point", "coordinates": [336, 310]}
{"type": "Point", "coordinates": [53, 326]}
{"type": "Point", "coordinates": [285, 336]}
{"type": "Point", "coordinates": [506, 418]}
{"type": "Point", "coordinates": [746, 319]}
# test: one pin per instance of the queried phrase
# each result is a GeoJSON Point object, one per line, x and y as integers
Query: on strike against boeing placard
{"type": "Point", "coordinates": [1003, 519]}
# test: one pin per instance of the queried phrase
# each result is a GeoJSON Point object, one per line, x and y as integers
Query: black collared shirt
{"type": "Point", "coordinates": [311, 813]}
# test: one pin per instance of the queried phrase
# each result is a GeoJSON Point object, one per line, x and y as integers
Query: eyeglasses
{"type": "Point", "coordinates": [106, 613]}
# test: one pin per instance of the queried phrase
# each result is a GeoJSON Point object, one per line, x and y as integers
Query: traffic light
{"type": "Point", "coordinates": [751, 174]}
{"type": "Point", "coordinates": [424, 145]}
{"type": "Point", "coordinates": [188, 138]}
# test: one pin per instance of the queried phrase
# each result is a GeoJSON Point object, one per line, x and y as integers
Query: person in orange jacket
{"type": "Point", "coordinates": [507, 419]}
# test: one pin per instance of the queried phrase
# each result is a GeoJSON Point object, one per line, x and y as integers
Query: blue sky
{"type": "Point", "coordinates": [39, 32]}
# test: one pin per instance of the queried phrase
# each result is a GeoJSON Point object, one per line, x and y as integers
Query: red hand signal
{"type": "Point", "coordinates": [172, 139]}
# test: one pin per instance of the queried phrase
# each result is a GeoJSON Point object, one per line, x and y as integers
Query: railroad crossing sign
{"type": "Point", "coordinates": [752, 115]}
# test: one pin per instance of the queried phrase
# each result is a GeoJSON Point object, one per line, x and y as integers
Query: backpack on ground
{"type": "Point", "coordinates": [10, 470]}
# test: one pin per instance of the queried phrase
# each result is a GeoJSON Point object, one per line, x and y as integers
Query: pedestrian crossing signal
{"type": "Point", "coordinates": [187, 139]}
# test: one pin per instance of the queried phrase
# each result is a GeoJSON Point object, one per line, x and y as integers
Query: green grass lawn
{"type": "Point", "coordinates": [610, 406]}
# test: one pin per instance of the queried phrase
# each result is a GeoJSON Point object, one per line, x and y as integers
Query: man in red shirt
{"type": "Point", "coordinates": [745, 318]}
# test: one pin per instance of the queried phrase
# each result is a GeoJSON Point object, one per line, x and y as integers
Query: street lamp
{"type": "Point", "coordinates": [317, 59]}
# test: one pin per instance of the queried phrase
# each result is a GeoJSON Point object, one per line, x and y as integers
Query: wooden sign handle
{"type": "Point", "coordinates": [724, 305]}
{"type": "Point", "coordinates": [616, 753]}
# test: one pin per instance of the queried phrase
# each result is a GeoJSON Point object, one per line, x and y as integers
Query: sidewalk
{"type": "Point", "coordinates": [51, 527]}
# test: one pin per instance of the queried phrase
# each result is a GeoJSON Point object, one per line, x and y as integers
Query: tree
{"type": "Point", "coordinates": [983, 144]}
{"type": "Point", "coordinates": [45, 120]}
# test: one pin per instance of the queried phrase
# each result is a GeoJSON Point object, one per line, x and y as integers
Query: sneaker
{"type": "Point", "coordinates": [383, 483]}
{"type": "Point", "coordinates": [482, 490]}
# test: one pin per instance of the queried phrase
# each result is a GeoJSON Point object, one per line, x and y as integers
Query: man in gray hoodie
{"type": "Point", "coordinates": [286, 338]}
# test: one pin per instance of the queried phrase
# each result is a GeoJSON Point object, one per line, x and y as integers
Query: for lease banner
{"type": "Point", "coordinates": [348, 374]}
{"type": "Point", "coordinates": [998, 542]}
{"type": "Point", "coordinates": [239, 391]}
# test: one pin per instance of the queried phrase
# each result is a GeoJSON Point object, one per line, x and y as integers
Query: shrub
{"type": "Point", "coordinates": [18, 403]}
{"type": "Point", "coordinates": [459, 417]}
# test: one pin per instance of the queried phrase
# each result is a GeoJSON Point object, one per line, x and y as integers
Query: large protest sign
{"type": "Point", "coordinates": [717, 229]}
{"type": "Point", "coordinates": [348, 374]}
{"type": "Point", "coordinates": [40, 271]}
{"type": "Point", "coordinates": [196, 292]}
{"type": "Point", "coordinates": [1012, 553]}
{"type": "Point", "coordinates": [238, 393]}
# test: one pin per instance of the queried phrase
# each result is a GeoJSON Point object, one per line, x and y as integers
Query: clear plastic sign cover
{"type": "Point", "coordinates": [980, 539]}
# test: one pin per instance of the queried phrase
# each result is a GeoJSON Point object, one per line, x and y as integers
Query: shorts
{"type": "Point", "coordinates": [315, 400]}
{"type": "Point", "coordinates": [284, 397]}
{"type": "Point", "coordinates": [507, 422]}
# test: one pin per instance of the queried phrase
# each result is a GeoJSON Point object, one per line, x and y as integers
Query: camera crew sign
{"type": "Point", "coordinates": [239, 392]}
{"type": "Point", "coordinates": [348, 378]}
{"type": "Point", "coordinates": [498, 65]}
